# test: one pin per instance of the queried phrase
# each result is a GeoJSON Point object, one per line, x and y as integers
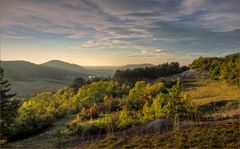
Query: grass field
{"type": "Point", "coordinates": [206, 90]}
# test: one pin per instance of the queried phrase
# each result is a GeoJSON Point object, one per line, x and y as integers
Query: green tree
{"type": "Point", "coordinates": [139, 89]}
{"type": "Point", "coordinates": [171, 105]}
{"type": "Point", "coordinates": [176, 105]}
{"type": "Point", "coordinates": [126, 119]}
{"type": "Point", "coordinates": [148, 112]}
{"type": "Point", "coordinates": [8, 107]}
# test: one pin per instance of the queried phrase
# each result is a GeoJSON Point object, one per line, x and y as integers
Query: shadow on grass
{"type": "Point", "coordinates": [223, 105]}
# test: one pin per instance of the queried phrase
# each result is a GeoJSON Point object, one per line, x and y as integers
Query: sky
{"type": "Point", "coordinates": [118, 32]}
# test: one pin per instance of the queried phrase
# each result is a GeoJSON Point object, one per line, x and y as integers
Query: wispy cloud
{"type": "Point", "coordinates": [148, 26]}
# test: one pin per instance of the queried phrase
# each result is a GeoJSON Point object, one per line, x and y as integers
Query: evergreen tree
{"type": "Point", "coordinates": [8, 107]}
{"type": "Point", "coordinates": [77, 83]}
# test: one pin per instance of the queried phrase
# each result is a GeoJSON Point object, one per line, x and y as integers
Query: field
{"type": "Point", "coordinates": [28, 88]}
{"type": "Point", "coordinates": [205, 91]}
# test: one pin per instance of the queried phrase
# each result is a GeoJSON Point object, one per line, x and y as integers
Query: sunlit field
{"type": "Point", "coordinates": [205, 91]}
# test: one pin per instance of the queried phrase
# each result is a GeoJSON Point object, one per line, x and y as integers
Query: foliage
{"type": "Point", "coordinates": [127, 119]}
{"type": "Point", "coordinates": [35, 114]}
{"type": "Point", "coordinates": [148, 73]}
{"type": "Point", "coordinates": [90, 113]}
{"type": "Point", "coordinates": [96, 91]}
{"type": "Point", "coordinates": [41, 110]}
{"type": "Point", "coordinates": [8, 107]}
{"type": "Point", "coordinates": [111, 105]}
{"type": "Point", "coordinates": [226, 68]}
{"type": "Point", "coordinates": [77, 83]}
{"type": "Point", "coordinates": [169, 105]}
{"type": "Point", "coordinates": [95, 126]}
{"type": "Point", "coordinates": [145, 102]}
{"type": "Point", "coordinates": [141, 92]}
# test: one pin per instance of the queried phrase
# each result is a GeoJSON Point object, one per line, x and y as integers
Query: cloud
{"type": "Point", "coordinates": [15, 36]}
{"type": "Point", "coordinates": [150, 27]}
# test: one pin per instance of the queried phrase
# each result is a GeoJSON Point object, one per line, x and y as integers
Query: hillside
{"type": "Point", "coordinates": [210, 135]}
{"type": "Point", "coordinates": [65, 66]}
{"type": "Point", "coordinates": [29, 78]}
{"type": "Point", "coordinates": [196, 84]}
{"type": "Point", "coordinates": [26, 71]}
{"type": "Point", "coordinates": [201, 88]}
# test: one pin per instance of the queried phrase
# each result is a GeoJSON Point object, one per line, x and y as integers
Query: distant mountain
{"type": "Point", "coordinates": [57, 70]}
{"type": "Point", "coordinates": [23, 70]}
{"type": "Point", "coordinates": [65, 66]}
{"type": "Point", "coordinates": [76, 68]}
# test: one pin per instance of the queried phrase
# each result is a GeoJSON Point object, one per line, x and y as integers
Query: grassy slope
{"type": "Point", "coordinates": [200, 90]}
{"type": "Point", "coordinates": [205, 91]}
{"type": "Point", "coordinates": [219, 136]}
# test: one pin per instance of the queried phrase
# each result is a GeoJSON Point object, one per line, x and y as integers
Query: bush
{"type": "Point", "coordinates": [93, 127]}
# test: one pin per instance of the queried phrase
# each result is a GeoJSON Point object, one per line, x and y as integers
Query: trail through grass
{"type": "Point", "coordinates": [41, 140]}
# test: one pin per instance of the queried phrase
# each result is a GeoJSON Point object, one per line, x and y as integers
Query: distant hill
{"type": "Point", "coordinates": [23, 70]}
{"type": "Point", "coordinates": [28, 78]}
{"type": "Point", "coordinates": [58, 70]}
{"type": "Point", "coordinates": [64, 66]}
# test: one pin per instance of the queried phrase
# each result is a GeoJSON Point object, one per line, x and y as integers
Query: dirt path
{"type": "Point", "coordinates": [41, 140]}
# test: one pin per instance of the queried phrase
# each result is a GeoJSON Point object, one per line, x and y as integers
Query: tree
{"type": "Point", "coordinates": [126, 119]}
{"type": "Point", "coordinates": [148, 112]}
{"type": "Point", "coordinates": [171, 105]}
{"type": "Point", "coordinates": [77, 83]}
{"type": "Point", "coordinates": [8, 107]}
{"type": "Point", "coordinates": [176, 105]}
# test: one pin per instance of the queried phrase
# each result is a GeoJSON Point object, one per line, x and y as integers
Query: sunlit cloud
{"type": "Point", "coordinates": [140, 28]}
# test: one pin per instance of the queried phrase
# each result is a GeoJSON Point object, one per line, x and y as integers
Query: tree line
{"type": "Point", "coordinates": [226, 68]}
{"type": "Point", "coordinates": [148, 73]}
